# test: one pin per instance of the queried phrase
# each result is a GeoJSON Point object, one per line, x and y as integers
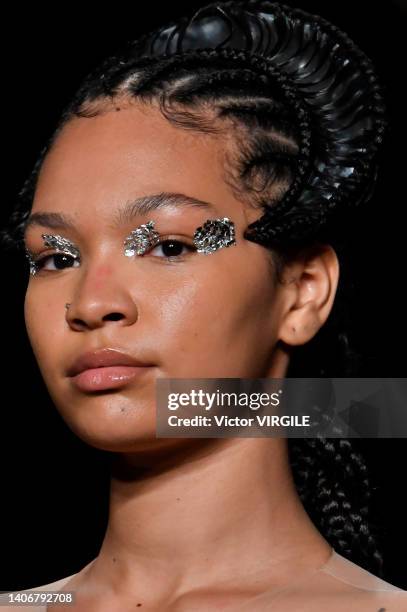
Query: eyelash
{"type": "Point", "coordinates": [39, 261]}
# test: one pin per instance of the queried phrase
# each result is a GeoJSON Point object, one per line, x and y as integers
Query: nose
{"type": "Point", "coordinates": [101, 301]}
{"type": "Point", "coordinates": [99, 313]}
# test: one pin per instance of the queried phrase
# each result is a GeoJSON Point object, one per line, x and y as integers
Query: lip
{"type": "Point", "coordinates": [105, 368]}
{"type": "Point", "coordinates": [107, 377]}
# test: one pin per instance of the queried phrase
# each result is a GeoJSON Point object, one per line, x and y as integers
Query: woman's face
{"type": "Point", "coordinates": [195, 316]}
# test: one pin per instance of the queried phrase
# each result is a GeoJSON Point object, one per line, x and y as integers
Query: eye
{"type": "Point", "coordinates": [61, 261]}
{"type": "Point", "coordinates": [172, 248]}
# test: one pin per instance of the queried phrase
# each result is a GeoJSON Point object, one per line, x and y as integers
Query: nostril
{"type": "Point", "coordinates": [113, 316]}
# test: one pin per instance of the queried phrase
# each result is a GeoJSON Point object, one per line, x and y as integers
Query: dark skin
{"type": "Point", "coordinates": [167, 545]}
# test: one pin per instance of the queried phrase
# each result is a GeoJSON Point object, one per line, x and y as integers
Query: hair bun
{"type": "Point", "coordinates": [335, 83]}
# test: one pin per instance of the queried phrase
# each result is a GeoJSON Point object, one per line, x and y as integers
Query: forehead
{"type": "Point", "coordinates": [98, 163]}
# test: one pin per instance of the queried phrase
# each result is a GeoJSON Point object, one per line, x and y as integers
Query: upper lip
{"type": "Point", "coordinates": [102, 358]}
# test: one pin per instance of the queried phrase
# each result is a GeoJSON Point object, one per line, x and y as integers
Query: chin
{"type": "Point", "coordinates": [110, 421]}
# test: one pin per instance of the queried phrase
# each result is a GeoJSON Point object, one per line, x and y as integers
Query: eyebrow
{"type": "Point", "coordinates": [143, 205]}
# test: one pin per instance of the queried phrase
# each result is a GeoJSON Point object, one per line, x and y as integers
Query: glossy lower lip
{"type": "Point", "coordinates": [108, 377]}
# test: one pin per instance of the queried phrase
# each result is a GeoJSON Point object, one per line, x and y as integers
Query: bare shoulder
{"type": "Point", "coordinates": [394, 602]}
{"type": "Point", "coordinates": [361, 601]}
{"type": "Point", "coordinates": [344, 584]}
{"type": "Point", "coordinates": [373, 601]}
{"type": "Point", "coordinates": [338, 586]}
{"type": "Point", "coordinates": [359, 591]}
{"type": "Point", "coordinates": [67, 584]}
{"type": "Point", "coordinates": [22, 596]}
{"type": "Point", "coordinates": [331, 600]}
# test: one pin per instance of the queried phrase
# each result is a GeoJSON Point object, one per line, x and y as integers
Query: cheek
{"type": "Point", "coordinates": [43, 324]}
{"type": "Point", "coordinates": [31, 316]}
{"type": "Point", "coordinates": [219, 324]}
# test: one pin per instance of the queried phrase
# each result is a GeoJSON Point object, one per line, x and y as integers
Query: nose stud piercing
{"type": "Point", "coordinates": [67, 306]}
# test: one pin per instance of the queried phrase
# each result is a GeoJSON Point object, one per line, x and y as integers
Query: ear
{"type": "Point", "coordinates": [309, 287]}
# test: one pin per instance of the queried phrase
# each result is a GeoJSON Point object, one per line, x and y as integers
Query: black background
{"type": "Point", "coordinates": [54, 487]}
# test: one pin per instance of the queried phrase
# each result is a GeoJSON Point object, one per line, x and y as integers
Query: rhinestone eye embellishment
{"type": "Point", "coordinates": [33, 265]}
{"type": "Point", "coordinates": [61, 244]}
{"type": "Point", "coordinates": [141, 239]}
{"type": "Point", "coordinates": [214, 234]}
{"type": "Point", "coordinates": [57, 242]}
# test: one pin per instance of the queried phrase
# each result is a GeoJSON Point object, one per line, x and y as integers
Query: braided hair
{"type": "Point", "coordinates": [302, 107]}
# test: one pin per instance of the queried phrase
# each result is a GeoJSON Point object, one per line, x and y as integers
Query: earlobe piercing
{"type": "Point", "coordinates": [214, 234]}
{"type": "Point", "coordinates": [141, 239]}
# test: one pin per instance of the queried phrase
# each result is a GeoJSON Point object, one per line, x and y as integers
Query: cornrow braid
{"type": "Point", "coordinates": [235, 59]}
{"type": "Point", "coordinates": [310, 119]}
{"type": "Point", "coordinates": [334, 80]}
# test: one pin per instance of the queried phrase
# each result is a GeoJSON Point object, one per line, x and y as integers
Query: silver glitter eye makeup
{"type": "Point", "coordinates": [61, 244]}
{"type": "Point", "coordinates": [141, 239]}
{"type": "Point", "coordinates": [214, 234]}
{"type": "Point", "coordinates": [57, 242]}
{"type": "Point", "coordinates": [33, 265]}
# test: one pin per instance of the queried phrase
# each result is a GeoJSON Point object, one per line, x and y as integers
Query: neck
{"type": "Point", "coordinates": [216, 511]}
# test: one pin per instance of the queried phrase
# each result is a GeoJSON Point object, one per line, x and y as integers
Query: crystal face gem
{"type": "Point", "coordinates": [214, 234]}
{"type": "Point", "coordinates": [141, 239]}
{"type": "Point", "coordinates": [57, 242]}
{"type": "Point", "coordinates": [33, 267]}
{"type": "Point", "coordinates": [61, 244]}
